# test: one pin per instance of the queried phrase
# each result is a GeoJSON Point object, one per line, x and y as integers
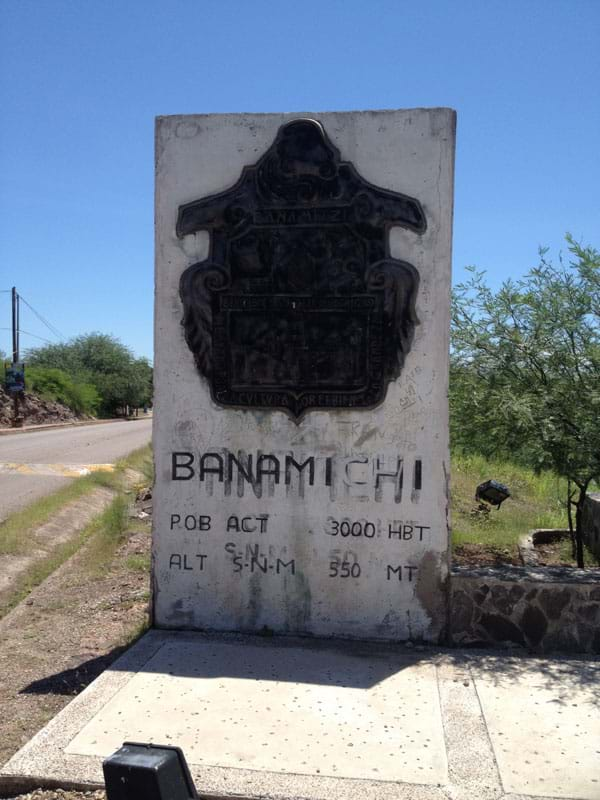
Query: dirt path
{"type": "Point", "coordinates": [69, 629]}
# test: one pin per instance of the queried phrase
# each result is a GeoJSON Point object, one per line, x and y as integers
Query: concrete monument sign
{"type": "Point", "coordinates": [300, 426]}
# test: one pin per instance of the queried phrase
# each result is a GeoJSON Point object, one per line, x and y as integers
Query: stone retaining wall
{"type": "Point", "coordinates": [543, 608]}
{"type": "Point", "coordinates": [591, 523]}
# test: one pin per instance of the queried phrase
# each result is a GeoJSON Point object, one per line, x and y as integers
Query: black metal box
{"type": "Point", "coordinates": [148, 772]}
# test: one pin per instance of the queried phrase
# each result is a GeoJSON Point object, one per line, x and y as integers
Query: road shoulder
{"type": "Point", "coordinates": [67, 631]}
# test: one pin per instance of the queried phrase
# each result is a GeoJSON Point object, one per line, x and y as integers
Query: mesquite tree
{"type": "Point", "coordinates": [119, 378]}
{"type": "Point", "coordinates": [525, 370]}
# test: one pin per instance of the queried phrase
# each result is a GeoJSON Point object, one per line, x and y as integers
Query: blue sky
{"type": "Point", "coordinates": [81, 83]}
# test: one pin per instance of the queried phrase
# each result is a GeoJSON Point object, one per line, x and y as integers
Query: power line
{"type": "Point", "coordinates": [35, 336]}
{"type": "Point", "coordinates": [53, 329]}
{"type": "Point", "coordinates": [27, 333]}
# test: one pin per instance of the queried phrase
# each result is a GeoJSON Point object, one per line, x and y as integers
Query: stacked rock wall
{"type": "Point", "coordinates": [544, 609]}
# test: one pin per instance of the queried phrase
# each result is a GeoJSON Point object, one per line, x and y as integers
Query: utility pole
{"type": "Point", "coordinates": [15, 324]}
{"type": "Point", "coordinates": [17, 421]}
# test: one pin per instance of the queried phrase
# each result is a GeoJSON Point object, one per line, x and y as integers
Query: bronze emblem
{"type": "Point", "coordinates": [299, 305]}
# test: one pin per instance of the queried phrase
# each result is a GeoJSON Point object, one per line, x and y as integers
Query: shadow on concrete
{"type": "Point", "coordinates": [75, 680]}
{"type": "Point", "coordinates": [340, 663]}
{"type": "Point", "coordinates": [560, 674]}
{"type": "Point", "coordinates": [359, 665]}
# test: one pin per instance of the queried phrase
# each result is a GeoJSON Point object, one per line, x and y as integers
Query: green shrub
{"type": "Point", "coordinates": [55, 385]}
{"type": "Point", "coordinates": [96, 359]}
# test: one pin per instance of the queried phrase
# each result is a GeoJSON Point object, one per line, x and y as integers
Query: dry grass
{"type": "Point", "coordinates": [105, 533]}
{"type": "Point", "coordinates": [141, 461]}
{"type": "Point", "coordinates": [17, 530]}
{"type": "Point", "coordinates": [69, 629]}
{"type": "Point", "coordinates": [536, 501]}
{"type": "Point", "coordinates": [138, 563]}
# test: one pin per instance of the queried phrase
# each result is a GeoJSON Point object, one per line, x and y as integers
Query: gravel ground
{"type": "Point", "coordinates": [61, 794]}
{"type": "Point", "coordinates": [65, 633]}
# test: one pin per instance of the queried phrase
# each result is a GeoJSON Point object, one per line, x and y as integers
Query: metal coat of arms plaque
{"type": "Point", "coordinates": [299, 305]}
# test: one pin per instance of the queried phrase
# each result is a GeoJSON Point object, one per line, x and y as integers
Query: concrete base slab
{"type": "Point", "coordinates": [289, 718]}
{"type": "Point", "coordinates": [544, 728]}
{"type": "Point", "coordinates": [286, 710]}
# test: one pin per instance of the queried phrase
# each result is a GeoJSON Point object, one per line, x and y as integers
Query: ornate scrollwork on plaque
{"type": "Point", "coordinates": [299, 305]}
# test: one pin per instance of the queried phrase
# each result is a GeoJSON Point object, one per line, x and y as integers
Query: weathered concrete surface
{"type": "Point", "coordinates": [360, 548]}
{"type": "Point", "coordinates": [306, 719]}
{"type": "Point", "coordinates": [556, 753]}
{"type": "Point", "coordinates": [339, 709]}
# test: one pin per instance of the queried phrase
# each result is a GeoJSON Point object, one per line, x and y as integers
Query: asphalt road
{"type": "Point", "coordinates": [36, 463]}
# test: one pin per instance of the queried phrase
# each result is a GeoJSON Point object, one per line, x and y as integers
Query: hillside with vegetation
{"type": "Point", "coordinates": [36, 410]}
{"type": "Point", "coordinates": [94, 374]}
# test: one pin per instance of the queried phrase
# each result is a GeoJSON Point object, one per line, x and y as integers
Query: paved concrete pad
{"type": "Point", "coordinates": [307, 719]}
{"type": "Point", "coordinates": [286, 710]}
{"type": "Point", "coordinates": [545, 729]}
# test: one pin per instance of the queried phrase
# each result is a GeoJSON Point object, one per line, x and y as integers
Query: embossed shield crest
{"type": "Point", "coordinates": [299, 305]}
